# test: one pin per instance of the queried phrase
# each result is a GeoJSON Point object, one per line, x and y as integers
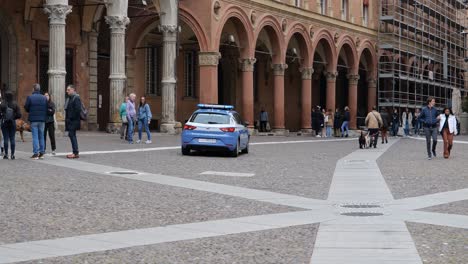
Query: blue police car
{"type": "Point", "coordinates": [215, 127]}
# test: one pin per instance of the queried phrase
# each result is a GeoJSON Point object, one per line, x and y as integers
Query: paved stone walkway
{"type": "Point", "coordinates": [360, 222]}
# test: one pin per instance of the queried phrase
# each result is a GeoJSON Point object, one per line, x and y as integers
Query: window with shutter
{"type": "Point", "coordinates": [190, 68]}
{"type": "Point", "coordinates": [153, 71]}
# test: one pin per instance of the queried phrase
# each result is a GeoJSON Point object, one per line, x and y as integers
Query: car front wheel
{"type": "Point", "coordinates": [185, 151]}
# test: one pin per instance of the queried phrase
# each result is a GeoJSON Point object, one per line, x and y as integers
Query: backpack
{"type": "Point", "coordinates": [83, 112]}
{"type": "Point", "coordinates": [9, 117]}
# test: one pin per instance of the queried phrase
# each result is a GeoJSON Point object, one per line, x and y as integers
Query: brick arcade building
{"type": "Point", "coordinates": [285, 56]}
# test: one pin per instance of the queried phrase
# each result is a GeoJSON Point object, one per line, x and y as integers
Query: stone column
{"type": "Point", "coordinates": [352, 99]}
{"type": "Point", "coordinates": [371, 93]}
{"type": "Point", "coordinates": [247, 69]}
{"type": "Point", "coordinates": [57, 15]}
{"type": "Point", "coordinates": [168, 123]}
{"type": "Point", "coordinates": [208, 63]}
{"type": "Point", "coordinates": [331, 90]}
{"type": "Point", "coordinates": [117, 77]}
{"type": "Point", "coordinates": [278, 75]}
{"type": "Point", "coordinates": [306, 97]}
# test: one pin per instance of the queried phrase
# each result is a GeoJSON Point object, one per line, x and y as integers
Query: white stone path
{"type": "Point", "coordinates": [344, 236]}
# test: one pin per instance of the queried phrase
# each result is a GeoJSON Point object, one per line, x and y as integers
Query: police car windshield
{"type": "Point", "coordinates": [210, 118]}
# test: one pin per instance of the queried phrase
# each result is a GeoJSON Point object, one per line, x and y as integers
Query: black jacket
{"type": "Point", "coordinates": [50, 112]}
{"type": "Point", "coordinates": [72, 113]}
{"type": "Point", "coordinates": [14, 106]}
{"type": "Point", "coordinates": [317, 119]}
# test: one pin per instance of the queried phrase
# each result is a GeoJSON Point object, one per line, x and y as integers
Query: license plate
{"type": "Point", "coordinates": [206, 140]}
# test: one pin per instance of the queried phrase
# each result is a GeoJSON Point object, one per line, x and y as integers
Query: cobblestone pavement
{"type": "Point", "coordinates": [263, 207]}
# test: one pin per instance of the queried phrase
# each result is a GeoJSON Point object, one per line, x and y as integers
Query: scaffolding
{"type": "Point", "coordinates": [422, 50]}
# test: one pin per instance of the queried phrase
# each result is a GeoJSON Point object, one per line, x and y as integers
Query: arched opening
{"type": "Point", "coordinates": [266, 53]}
{"type": "Point", "coordinates": [8, 55]}
{"type": "Point", "coordinates": [322, 63]}
{"type": "Point", "coordinates": [366, 68]}
{"type": "Point", "coordinates": [296, 57]}
{"type": "Point", "coordinates": [233, 42]}
{"type": "Point", "coordinates": [103, 71]}
{"type": "Point", "coordinates": [344, 68]}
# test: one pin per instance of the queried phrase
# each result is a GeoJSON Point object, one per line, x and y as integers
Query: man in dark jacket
{"type": "Point", "coordinates": [72, 119]}
{"type": "Point", "coordinates": [317, 121]}
{"type": "Point", "coordinates": [430, 118]}
{"type": "Point", "coordinates": [36, 106]}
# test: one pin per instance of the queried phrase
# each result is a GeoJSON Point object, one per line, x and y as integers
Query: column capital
{"type": "Point", "coordinates": [247, 65]}
{"type": "Point", "coordinates": [353, 79]}
{"type": "Point", "coordinates": [57, 13]}
{"type": "Point", "coordinates": [117, 24]}
{"type": "Point", "coordinates": [331, 76]}
{"type": "Point", "coordinates": [208, 58]}
{"type": "Point", "coordinates": [278, 69]}
{"type": "Point", "coordinates": [168, 28]}
{"type": "Point", "coordinates": [372, 83]}
{"type": "Point", "coordinates": [307, 73]}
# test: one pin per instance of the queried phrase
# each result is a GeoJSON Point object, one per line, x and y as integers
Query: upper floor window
{"type": "Point", "coordinates": [323, 7]}
{"type": "Point", "coordinates": [365, 13]}
{"type": "Point", "coordinates": [344, 9]}
{"type": "Point", "coordinates": [298, 3]}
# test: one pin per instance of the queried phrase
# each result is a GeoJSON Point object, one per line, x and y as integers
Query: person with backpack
{"type": "Point", "coordinates": [50, 124]}
{"type": "Point", "coordinates": [10, 111]}
{"type": "Point", "coordinates": [374, 123]}
{"type": "Point", "coordinates": [36, 106]}
{"type": "Point", "coordinates": [144, 119]}
{"type": "Point", "coordinates": [74, 112]}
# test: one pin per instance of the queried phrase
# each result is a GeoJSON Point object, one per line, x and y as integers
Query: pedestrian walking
{"type": "Point", "coordinates": [329, 122]}
{"type": "Point", "coordinates": [144, 119]}
{"type": "Point", "coordinates": [337, 122]}
{"type": "Point", "coordinates": [9, 112]}
{"type": "Point", "coordinates": [385, 121]}
{"type": "Point", "coordinates": [73, 119]}
{"type": "Point", "coordinates": [448, 129]}
{"type": "Point", "coordinates": [429, 118]}
{"type": "Point", "coordinates": [123, 117]}
{"type": "Point", "coordinates": [374, 123]}
{"type": "Point", "coordinates": [317, 121]}
{"type": "Point", "coordinates": [131, 117]}
{"type": "Point", "coordinates": [36, 106]}
{"type": "Point", "coordinates": [416, 122]}
{"type": "Point", "coordinates": [395, 122]}
{"type": "Point", "coordinates": [345, 125]}
{"type": "Point", "coordinates": [407, 120]}
{"type": "Point", "coordinates": [263, 120]}
{"type": "Point", "coordinates": [50, 124]}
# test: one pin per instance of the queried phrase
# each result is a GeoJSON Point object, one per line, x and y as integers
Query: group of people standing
{"type": "Point", "coordinates": [41, 110]}
{"type": "Point", "coordinates": [323, 121]}
{"type": "Point", "coordinates": [130, 116]}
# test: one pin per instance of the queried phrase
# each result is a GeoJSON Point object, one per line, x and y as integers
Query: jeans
{"type": "Point", "coordinates": [406, 129]}
{"type": "Point", "coordinates": [329, 131]}
{"type": "Point", "coordinates": [141, 123]}
{"type": "Point", "coordinates": [417, 127]}
{"type": "Point", "coordinates": [37, 130]}
{"type": "Point", "coordinates": [74, 141]}
{"type": "Point", "coordinates": [9, 132]}
{"type": "Point", "coordinates": [131, 129]}
{"type": "Point", "coordinates": [343, 127]}
{"type": "Point", "coordinates": [430, 132]}
{"type": "Point", "coordinates": [49, 128]}
{"type": "Point", "coordinates": [395, 127]}
{"type": "Point", "coordinates": [263, 125]}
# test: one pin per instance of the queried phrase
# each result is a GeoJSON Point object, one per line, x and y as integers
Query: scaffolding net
{"type": "Point", "coordinates": [422, 52]}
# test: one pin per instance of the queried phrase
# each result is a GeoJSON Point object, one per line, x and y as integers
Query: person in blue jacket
{"type": "Point", "coordinates": [429, 118]}
{"type": "Point", "coordinates": [144, 119]}
{"type": "Point", "coordinates": [36, 105]}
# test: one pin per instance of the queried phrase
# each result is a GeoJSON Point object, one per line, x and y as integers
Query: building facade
{"type": "Point", "coordinates": [283, 56]}
{"type": "Point", "coordinates": [422, 53]}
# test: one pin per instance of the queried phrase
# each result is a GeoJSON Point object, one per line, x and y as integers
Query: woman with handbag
{"type": "Point", "coordinates": [144, 119]}
{"type": "Point", "coordinates": [123, 117]}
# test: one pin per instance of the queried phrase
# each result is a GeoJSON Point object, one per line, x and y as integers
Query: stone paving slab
{"type": "Point", "coordinates": [40, 201]}
{"type": "Point", "coordinates": [307, 172]}
{"type": "Point", "coordinates": [439, 244]}
{"type": "Point", "coordinates": [460, 208]}
{"type": "Point", "coordinates": [284, 245]}
{"type": "Point", "coordinates": [408, 173]}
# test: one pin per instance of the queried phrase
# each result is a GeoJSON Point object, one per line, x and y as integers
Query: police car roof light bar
{"type": "Point", "coordinates": [211, 106]}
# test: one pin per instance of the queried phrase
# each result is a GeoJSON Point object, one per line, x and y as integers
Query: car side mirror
{"type": "Point", "coordinates": [246, 123]}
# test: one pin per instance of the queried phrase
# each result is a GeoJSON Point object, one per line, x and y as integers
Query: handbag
{"type": "Point", "coordinates": [124, 119]}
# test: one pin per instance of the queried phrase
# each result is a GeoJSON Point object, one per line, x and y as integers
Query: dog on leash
{"type": "Point", "coordinates": [22, 126]}
{"type": "Point", "coordinates": [364, 140]}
